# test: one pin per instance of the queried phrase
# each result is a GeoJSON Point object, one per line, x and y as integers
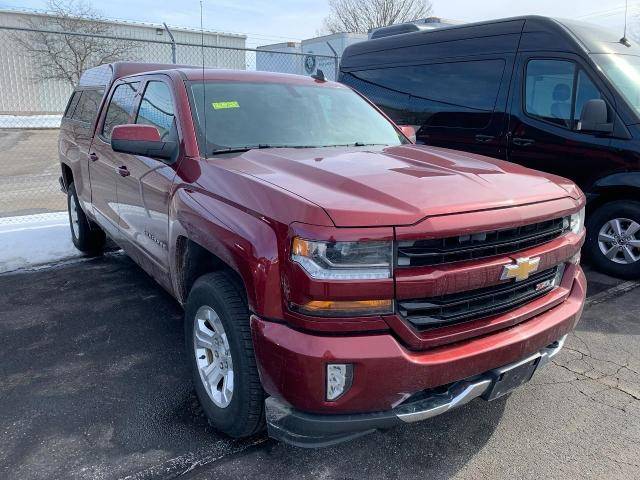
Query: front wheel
{"type": "Point", "coordinates": [220, 351]}
{"type": "Point", "coordinates": [613, 239]}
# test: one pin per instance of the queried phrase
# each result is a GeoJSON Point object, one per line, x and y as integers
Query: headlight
{"type": "Point", "coordinates": [576, 221]}
{"type": "Point", "coordinates": [366, 260]}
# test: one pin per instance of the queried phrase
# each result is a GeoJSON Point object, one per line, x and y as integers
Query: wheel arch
{"type": "Point", "coordinates": [618, 186]}
{"type": "Point", "coordinates": [231, 239]}
{"type": "Point", "coordinates": [67, 175]}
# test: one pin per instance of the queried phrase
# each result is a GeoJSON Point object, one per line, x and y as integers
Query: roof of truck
{"type": "Point", "coordinates": [103, 75]}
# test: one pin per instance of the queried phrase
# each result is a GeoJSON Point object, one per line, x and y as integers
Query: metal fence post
{"type": "Point", "coordinates": [336, 64]}
{"type": "Point", "coordinates": [173, 43]}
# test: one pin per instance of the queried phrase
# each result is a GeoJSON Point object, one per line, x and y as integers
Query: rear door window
{"type": "Point", "coordinates": [71, 105]}
{"type": "Point", "coordinates": [156, 108]}
{"type": "Point", "coordinates": [120, 107]}
{"type": "Point", "coordinates": [88, 105]}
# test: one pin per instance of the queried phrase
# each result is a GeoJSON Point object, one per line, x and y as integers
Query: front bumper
{"type": "Point", "coordinates": [386, 374]}
{"type": "Point", "coordinates": [312, 430]}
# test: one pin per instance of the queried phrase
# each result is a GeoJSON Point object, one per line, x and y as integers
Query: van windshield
{"type": "Point", "coordinates": [624, 72]}
{"type": "Point", "coordinates": [244, 115]}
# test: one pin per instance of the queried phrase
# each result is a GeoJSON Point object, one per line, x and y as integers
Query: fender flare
{"type": "Point", "coordinates": [243, 241]}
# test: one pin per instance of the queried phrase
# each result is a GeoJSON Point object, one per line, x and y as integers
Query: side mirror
{"type": "Point", "coordinates": [142, 140]}
{"type": "Point", "coordinates": [409, 132]}
{"type": "Point", "coordinates": [593, 117]}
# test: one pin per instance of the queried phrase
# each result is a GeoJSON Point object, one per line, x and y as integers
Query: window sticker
{"type": "Point", "coordinates": [223, 105]}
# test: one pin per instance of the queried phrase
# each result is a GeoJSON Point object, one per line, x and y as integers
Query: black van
{"type": "Point", "coordinates": [554, 95]}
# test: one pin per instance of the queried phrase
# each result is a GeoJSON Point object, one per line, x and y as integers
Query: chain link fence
{"type": "Point", "coordinates": [31, 107]}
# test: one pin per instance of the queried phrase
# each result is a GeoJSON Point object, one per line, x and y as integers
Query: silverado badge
{"type": "Point", "coordinates": [521, 269]}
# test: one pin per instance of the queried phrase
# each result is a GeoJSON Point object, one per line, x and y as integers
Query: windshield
{"type": "Point", "coordinates": [241, 115]}
{"type": "Point", "coordinates": [624, 72]}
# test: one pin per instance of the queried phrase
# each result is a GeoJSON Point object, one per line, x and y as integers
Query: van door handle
{"type": "Point", "coordinates": [485, 138]}
{"type": "Point", "coordinates": [523, 142]}
{"type": "Point", "coordinates": [124, 171]}
{"type": "Point", "coordinates": [93, 157]}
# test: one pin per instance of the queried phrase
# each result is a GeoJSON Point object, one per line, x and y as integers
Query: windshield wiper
{"type": "Point", "coordinates": [260, 146]}
{"type": "Point", "coordinates": [355, 144]}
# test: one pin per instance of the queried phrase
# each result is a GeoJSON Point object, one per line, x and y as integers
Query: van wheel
{"type": "Point", "coordinates": [220, 351]}
{"type": "Point", "coordinates": [87, 237]}
{"type": "Point", "coordinates": [613, 239]}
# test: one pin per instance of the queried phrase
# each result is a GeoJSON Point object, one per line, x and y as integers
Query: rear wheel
{"type": "Point", "coordinates": [86, 237]}
{"type": "Point", "coordinates": [613, 239]}
{"type": "Point", "coordinates": [220, 351]}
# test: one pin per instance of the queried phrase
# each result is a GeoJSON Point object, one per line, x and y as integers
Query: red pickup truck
{"type": "Point", "coordinates": [336, 278]}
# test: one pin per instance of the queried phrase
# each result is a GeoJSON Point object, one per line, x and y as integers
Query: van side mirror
{"type": "Point", "coordinates": [409, 132]}
{"type": "Point", "coordinates": [142, 140]}
{"type": "Point", "coordinates": [593, 117]}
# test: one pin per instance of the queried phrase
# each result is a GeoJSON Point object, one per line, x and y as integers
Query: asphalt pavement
{"type": "Point", "coordinates": [94, 385]}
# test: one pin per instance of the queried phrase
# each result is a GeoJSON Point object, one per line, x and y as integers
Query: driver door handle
{"type": "Point", "coordinates": [93, 157]}
{"type": "Point", "coordinates": [523, 142]}
{"type": "Point", "coordinates": [124, 171]}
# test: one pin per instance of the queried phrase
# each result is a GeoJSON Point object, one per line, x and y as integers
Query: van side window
{"type": "Point", "coordinates": [439, 93]}
{"type": "Point", "coordinates": [88, 105]}
{"type": "Point", "coordinates": [71, 106]}
{"type": "Point", "coordinates": [156, 108]}
{"type": "Point", "coordinates": [549, 90]}
{"type": "Point", "coordinates": [120, 107]}
{"type": "Point", "coordinates": [392, 102]}
{"type": "Point", "coordinates": [585, 91]}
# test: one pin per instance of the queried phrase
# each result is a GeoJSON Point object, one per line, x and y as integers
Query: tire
{"type": "Point", "coordinates": [87, 237]}
{"type": "Point", "coordinates": [603, 236]}
{"type": "Point", "coordinates": [216, 300]}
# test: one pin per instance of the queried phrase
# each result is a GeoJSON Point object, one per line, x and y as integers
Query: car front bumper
{"type": "Point", "coordinates": [317, 430]}
{"type": "Point", "coordinates": [388, 377]}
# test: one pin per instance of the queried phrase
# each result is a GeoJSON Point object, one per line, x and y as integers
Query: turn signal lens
{"type": "Point", "coordinates": [330, 308]}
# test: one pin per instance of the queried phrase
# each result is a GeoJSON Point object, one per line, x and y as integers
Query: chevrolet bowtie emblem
{"type": "Point", "coordinates": [521, 269]}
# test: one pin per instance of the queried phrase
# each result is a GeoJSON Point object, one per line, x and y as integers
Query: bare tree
{"type": "Point", "coordinates": [359, 16]}
{"type": "Point", "coordinates": [64, 56]}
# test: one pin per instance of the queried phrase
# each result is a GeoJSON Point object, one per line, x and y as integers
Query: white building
{"type": "Point", "coordinates": [285, 57]}
{"type": "Point", "coordinates": [306, 57]}
{"type": "Point", "coordinates": [20, 93]}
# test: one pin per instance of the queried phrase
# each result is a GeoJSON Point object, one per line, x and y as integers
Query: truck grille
{"type": "Point", "coordinates": [416, 253]}
{"type": "Point", "coordinates": [474, 304]}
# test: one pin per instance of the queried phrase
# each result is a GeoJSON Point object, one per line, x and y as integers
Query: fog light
{"type": "Point", "coordinates": [339, 376]}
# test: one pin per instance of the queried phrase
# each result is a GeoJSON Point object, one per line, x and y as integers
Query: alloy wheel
{"type": "Point", "coordinates": [619, 240]}
{"type": "Point", "coordinates": [213, 356]}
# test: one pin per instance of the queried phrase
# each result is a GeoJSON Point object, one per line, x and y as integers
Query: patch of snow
{"type": "Point", "coordinates": [34, 240]}
{"type": "Point", "coordinates": [30, 121]}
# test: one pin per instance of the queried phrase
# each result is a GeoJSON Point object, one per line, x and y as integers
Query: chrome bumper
{"type": "Point", "coordinates": [466, 390]}
{"type": "Point", "coordinates": [312, 430]}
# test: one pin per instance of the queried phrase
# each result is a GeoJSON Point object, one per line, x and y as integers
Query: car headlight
{"type": "Point", "coordinates": [576, 221]}
{"type": "Point", "coordinates": [366, 260]}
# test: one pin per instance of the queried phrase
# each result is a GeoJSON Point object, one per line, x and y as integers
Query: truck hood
{"type": "Point", "coordinates": [397, 185]}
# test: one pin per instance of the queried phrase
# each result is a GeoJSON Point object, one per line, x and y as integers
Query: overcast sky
{"type": "Point", "coordinates": [270, 21]}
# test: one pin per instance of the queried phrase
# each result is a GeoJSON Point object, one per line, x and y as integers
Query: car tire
{"type": "Point", "coordinates": [612, 229]}
{"type": "Point", "coordinates": [217, 331]}
{"type": "Point", "coordinates": [87, 237]}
